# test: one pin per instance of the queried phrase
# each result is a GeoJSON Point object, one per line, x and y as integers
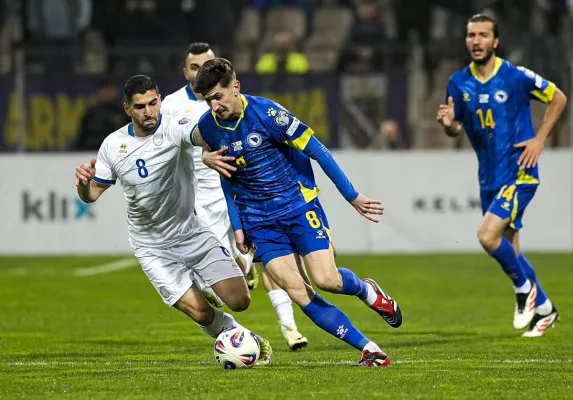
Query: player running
{"type": "Point", "coordinates": [490, 99]}
{"type": "Point", "coordinates": [210, 201]}
{"type": "Point", "coordinates": [153, 159]}
{"type": "Point", "coordinates": [276, 206]}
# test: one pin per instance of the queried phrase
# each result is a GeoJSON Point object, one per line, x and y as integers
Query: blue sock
{"type": "Point", "coordinates": [530, 273]}
{"type": "Point", "coordinates": [352, 285]}
{"type": "Point", "coordinates": [329, 318]}
{"type": "Point", "coordinates": [505, 256]}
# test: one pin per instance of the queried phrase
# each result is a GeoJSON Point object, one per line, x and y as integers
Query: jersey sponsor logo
{"type": "Point", "coordinates": [183, 121]}
{"type": "Point", "coordinates": [123, 148]}
{"type": "Point", "coordinates": [271, 112]}
{"type": "Point", "coordinates": [466, 97]}
{"type": "Point", "coordinates": [254, 140]}
{"type": "Point", "coordinates": [282, 118]}
{"type": "Point", "coordinates": [292, 128]}
{"type": "Point", "coordinates": [500, 96]}
{"type": "Point", "coordinates": [484, 98]}
{"type": "Point", "coordinates": [237, 146]}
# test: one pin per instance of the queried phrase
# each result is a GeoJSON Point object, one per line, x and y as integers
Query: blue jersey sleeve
{"type": "Point", "coordinates": [458, 98]}
{"type": "Point", "coordinates": [286, 128]}
{"type": "Point", "coordinates": [535, 86]}
{"type": "Point", "coordinates": [231, 206]}
{"type": "Point", "coordinates": [318, 152]}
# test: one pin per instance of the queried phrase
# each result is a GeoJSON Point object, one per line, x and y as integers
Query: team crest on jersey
{"type": "Point", "coordinates": [282, 118]}
{"type": "Point", "coordinates": [500, 96]}
{"type": "Point", "coordinates": [254, 140]}
{"type": "Point", "coordinates": [123, 148]}
{"type": "Point", "coordinates": [184, 121]}
{"type": "Point", "coordinates": [158, 139]}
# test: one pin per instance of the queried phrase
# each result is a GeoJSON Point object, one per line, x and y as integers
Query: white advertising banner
{"type": "Point", "coordinates": [431, 202]}
{"type": "Point", "coordinates": [41, 213]}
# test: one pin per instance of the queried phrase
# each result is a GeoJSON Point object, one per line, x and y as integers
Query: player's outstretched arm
{"type": "Point", "coordinates": [88, 190]}
{"type": "Point", "coordinates": [365, 206]}
{"type": "Point", "coordinates": [213, 159]}
{"type": "Point", "coordinates": [533, 147]}
{"type": "Point", "coordinates": [446, 118]}
{"type": "Point", "coordinates": [219, 162]}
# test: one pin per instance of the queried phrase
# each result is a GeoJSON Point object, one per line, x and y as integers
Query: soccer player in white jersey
{"type": "Point", "coordinates": [210, 200]}
{"type": "Point", "coordinates": [152, 157]}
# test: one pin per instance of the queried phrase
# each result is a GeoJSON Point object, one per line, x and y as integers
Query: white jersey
{"type": "Point", "coordinates": [183, 103]}
{"type": "Point", "coordinates": [156, 173]}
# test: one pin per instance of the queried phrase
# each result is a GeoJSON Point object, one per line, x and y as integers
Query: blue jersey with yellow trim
{"type": "Point", "coordinates": [496, 114]}
{"type": "Point", "coordinates": [271, 179]}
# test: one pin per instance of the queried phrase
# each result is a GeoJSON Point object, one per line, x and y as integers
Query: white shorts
{"type": "Point", "coordinates": [214, 215]}
{"type": "Point", "coordinates": [172, 270]}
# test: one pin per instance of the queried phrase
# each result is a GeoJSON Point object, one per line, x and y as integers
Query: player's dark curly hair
{"type": "Point", "coordinates": [213, 72]}
{"type": "Point", "coordinates": [484, 18]}
{"type": "Point", "coordinates": [138, 84]}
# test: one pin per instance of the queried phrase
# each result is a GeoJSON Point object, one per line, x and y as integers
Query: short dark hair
{"type": "Point", "coordinates": [213, 72]}
{"type": "Point", "coordinates": [197, 48]}
{"type": "Point", "coordinates": [484, 18]}
{"type": "Point", "coordinates": [138, 84]}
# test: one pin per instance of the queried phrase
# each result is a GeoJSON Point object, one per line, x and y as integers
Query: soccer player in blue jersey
{"type": "Point", "coordinates": [272, 199]}
{"type": "Point", "coordinates": [490, 100]}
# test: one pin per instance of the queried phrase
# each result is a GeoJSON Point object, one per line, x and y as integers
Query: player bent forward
{"type": "Point", "coordinates": [272, 198]}
{"type": "Point", "coordinates": [153, 159]}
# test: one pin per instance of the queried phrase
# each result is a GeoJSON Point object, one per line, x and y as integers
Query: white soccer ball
{"type": "Point", "coordinates": [237, 348]}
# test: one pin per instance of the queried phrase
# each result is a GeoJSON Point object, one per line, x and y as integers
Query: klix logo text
{"type": "Point", "coordinates": [54, 207]}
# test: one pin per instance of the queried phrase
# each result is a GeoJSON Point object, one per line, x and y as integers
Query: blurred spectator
{"type": "Point", "coordinates": [388, 137]}
{"type": "Point", "coordinates": [284, 58]}
{"type": "Point", "coordinates": [53, 27]}
{"type": "Point", "coordinates": [366, 38]}
{"type": "Point", "coordinates": [100, 120]}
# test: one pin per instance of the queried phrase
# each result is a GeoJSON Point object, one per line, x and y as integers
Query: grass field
{"type": "Point", "coordinates": [109, 335]}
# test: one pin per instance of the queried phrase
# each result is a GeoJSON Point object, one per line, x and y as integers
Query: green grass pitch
{"type": "Point", "coordinates": [110, 336]}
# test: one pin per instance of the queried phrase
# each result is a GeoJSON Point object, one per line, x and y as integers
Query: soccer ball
{"type": "Point", "coordinates": [237, 348]}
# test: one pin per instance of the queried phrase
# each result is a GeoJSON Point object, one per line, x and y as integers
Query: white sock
{"type": "Point", "coordinates": [525, 288]}
{"type": "Point", "coordinates": [282, 303]}
{"type": "Point", "coordinates": [545, 308]}
{"type": "Point", "coordinates": [249, 259]}
{"type": "Point", "coordinates": [221, 322]}
{"type": "Point", "coordinates": [371, 296]}
{"type": "Point", "coordinates": [372, 347]}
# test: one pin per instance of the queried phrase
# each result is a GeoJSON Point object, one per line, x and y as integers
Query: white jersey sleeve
{"type": "Point", "coordinates": [180, 131]}
{"type": "Point", "coordinates": [104, 172]}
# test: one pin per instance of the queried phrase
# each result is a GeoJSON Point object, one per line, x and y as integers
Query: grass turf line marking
{"type": "Point", "coordinates": [113, 266]}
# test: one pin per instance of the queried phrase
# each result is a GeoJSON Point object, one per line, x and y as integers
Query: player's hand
{"type": "Point", "coordinates": [241, 242]}
{"type": "Point", "coordinates": [220, 163]}
{"type": "Point", "coordinates": [85, 173]}
{"type": "Point", "coordinates": [368, 207]}
{"type": "Point", "coordinates": [446, 113]}
{"type": "Point", "coordinates": [531, 151]}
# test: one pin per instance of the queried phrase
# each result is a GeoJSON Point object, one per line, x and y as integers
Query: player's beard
{"type": "Point", "coordinates": [149, 128]}
{"type": "Point", "coordinates": [489, 52]}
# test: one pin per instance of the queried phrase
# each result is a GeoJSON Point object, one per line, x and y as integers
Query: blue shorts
{"type": "Point", "coordinates": [303, 232]}
{"type": "Point", "coordinates": [508, 202]}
